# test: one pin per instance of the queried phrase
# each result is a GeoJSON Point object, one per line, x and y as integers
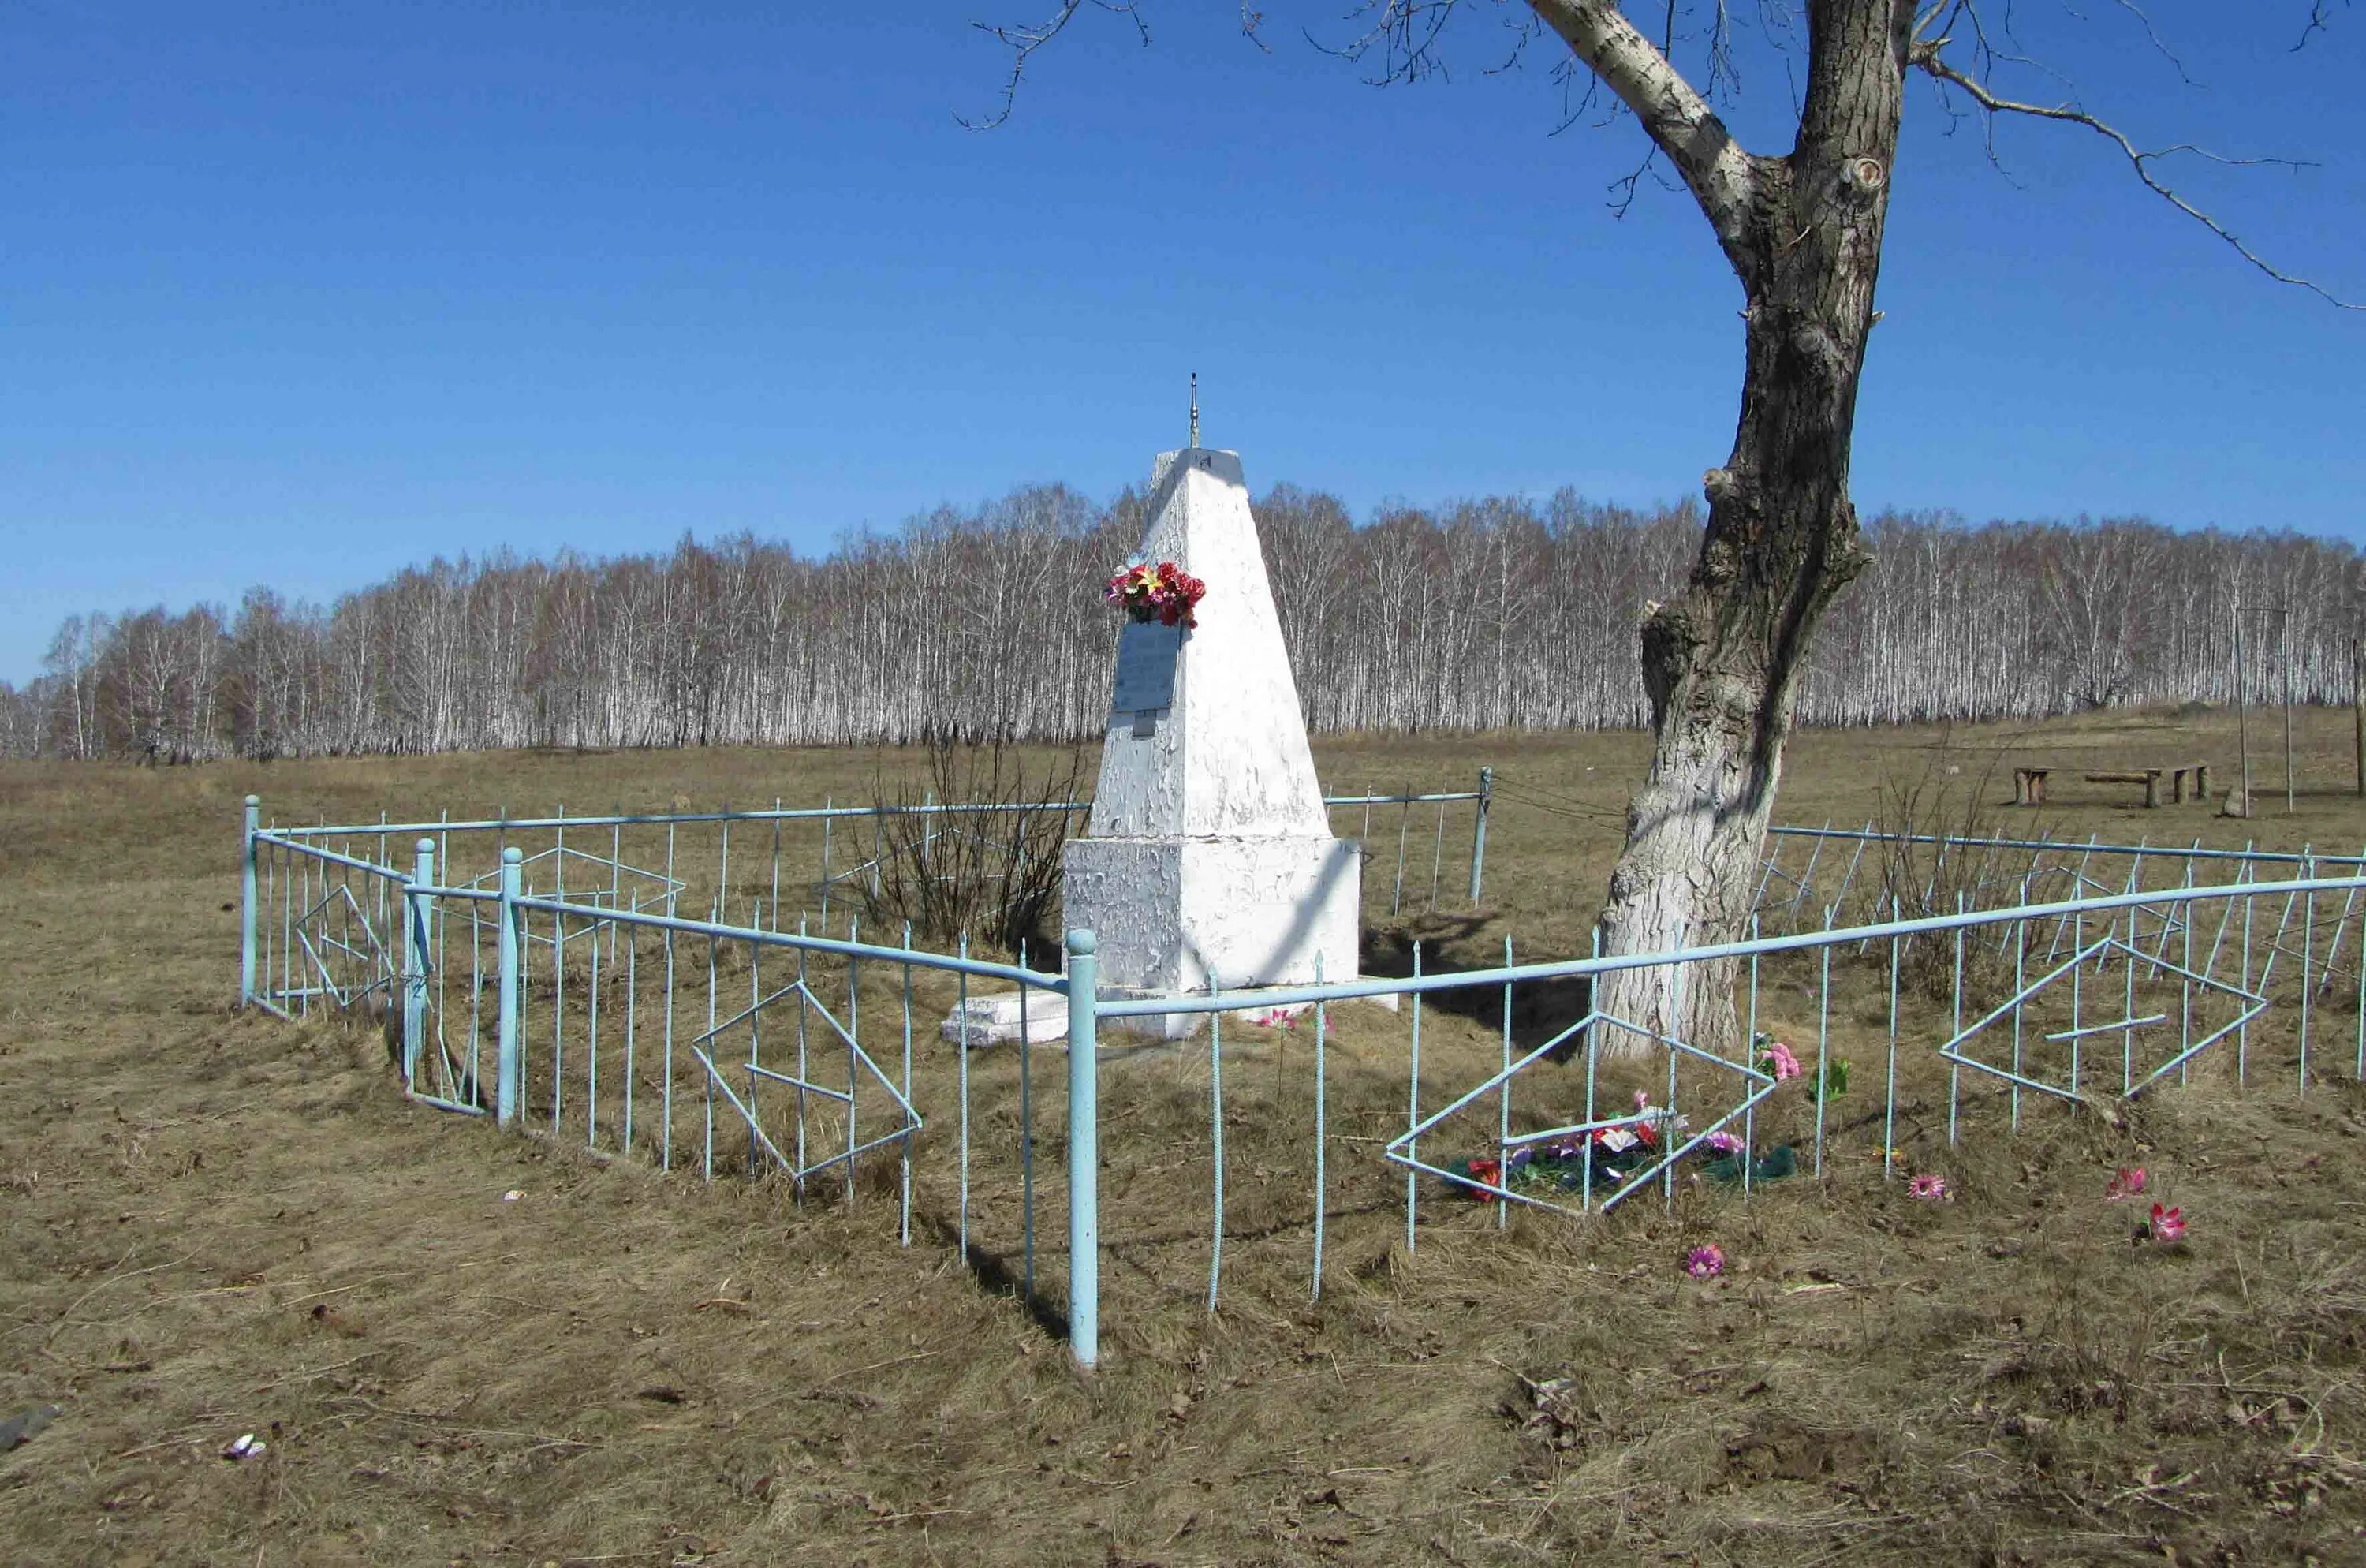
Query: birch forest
{"type": "Point", "coordinates": [1480, 615]}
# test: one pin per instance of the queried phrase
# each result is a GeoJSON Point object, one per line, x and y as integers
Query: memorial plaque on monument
{"type": "Point", "coordinates": [1146, 667]}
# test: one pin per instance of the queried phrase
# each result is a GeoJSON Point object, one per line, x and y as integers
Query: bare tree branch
{"type": "Point", "coordinates": [1926, 55]}
{"type": "Point", "coordinates": [1623, 189]}
{"type": "Point", "coordinates": [1252, 20]}
{"type": "Point", "coordinates": [1023, 41]}
{"type": "Point", "coordinates": [2131, 8]}
{"type": "Point", "coordinates": [2319, 19]}
{"type": "Point", "coordinates": [1721, 176]}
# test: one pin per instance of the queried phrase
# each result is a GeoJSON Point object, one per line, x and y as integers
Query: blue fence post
{"type": "Point", "coordinates": [1083, 1152]}
{"type": "Point", "coordinates": [511, 1067]}
{"type": "Point", "coordinates": [1479, 832]}
{"type": "Point", "coordinates": [246, 903]}
{"type": "Point", "coordinates": [419, 941]}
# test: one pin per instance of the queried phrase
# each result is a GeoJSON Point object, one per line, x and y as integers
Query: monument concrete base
{"type": "Point", "coordinates": [1186, 914]}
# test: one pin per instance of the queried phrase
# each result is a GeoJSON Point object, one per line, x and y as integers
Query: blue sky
{"type": "Point", "coordinates": [301, 292]}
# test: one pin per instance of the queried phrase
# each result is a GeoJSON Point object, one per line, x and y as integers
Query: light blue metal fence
{"type": "Point", "coordinates": [606, 1014]}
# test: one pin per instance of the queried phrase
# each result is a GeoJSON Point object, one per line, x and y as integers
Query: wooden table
{"type": "Point", "coordinates": [2149, 777]}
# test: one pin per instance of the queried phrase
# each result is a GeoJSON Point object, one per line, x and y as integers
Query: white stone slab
{"type": "Point", "coordinates": [994, 1020]}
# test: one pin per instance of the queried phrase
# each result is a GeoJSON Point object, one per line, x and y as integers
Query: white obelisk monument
{"type": "Point", "coordinates": [1209, 857]}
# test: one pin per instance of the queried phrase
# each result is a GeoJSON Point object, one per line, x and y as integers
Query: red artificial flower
{"type": "Point", "coordinates": [1164, 591]}
{"type": "Point", "coordinates": [2166, 1225]}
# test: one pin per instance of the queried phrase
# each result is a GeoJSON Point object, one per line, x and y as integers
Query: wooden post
{"type": "Point", "coordinates": [2358, 706]}
{"type": "Point", "coordinates": [2242, 722]}
{"type": "Point", "coordinates": [2285, 637]}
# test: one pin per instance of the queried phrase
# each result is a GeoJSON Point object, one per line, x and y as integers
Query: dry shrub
{"type": "Point", "coordinates": [993, 873]}
{"type": "Point", "coordinates": [1935, 858]}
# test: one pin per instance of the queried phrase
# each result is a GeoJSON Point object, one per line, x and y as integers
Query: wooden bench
{"type": "Point", "coordinates": [2150, 779]}
{"type": "Point", "coordinates": [2029, 785]}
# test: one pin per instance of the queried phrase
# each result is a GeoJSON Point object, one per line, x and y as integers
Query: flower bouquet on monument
{"type": "Point", "coordinates": [1163, 593]}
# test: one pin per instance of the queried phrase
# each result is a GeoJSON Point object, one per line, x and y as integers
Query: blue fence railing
{"type": "Point", "coordinates": [615, 1017]}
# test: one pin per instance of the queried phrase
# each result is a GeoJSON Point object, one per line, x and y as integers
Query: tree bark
{"type": "Point", "coordinates": [1722, 662]}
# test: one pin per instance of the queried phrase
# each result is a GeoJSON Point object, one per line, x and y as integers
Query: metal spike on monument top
{"type": "Point", "coordinates": [1195, 411]}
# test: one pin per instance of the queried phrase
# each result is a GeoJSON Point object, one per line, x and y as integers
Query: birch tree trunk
{"type": "Point", "coordinates": [1722, 661]}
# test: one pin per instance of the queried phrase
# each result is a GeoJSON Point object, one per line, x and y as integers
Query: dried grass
{"type": "Point", "coordinates": [217, 1224]}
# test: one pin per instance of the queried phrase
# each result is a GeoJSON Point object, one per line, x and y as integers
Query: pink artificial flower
{"type": "Point", "coordinates": [2126, 1183]}
{"type": "Point", "coordinates": [1722, 1142]}
{"type": "Point", "coordinates": [2168, 1225]}
{"type": "Point", "coordinates": [1705, 1262]}
{"type": "Point", "coordinates": [1929, 1188]}
{"type": "Point", "coordinates": [1780, 1062]}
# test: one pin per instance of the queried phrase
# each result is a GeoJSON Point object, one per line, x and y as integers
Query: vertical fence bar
{"type": "Point", "coordinates": [1749, 1055]}
{"type": "Point", "coordinates": [854, 1030]}
{"type": "Point", "coordinates": [510, 981]}
{"type": "Point", "coordinates": [632, 1007]}
{"type": "Point", "coordinates": [2078, 965]}
{"type": "Point", "coordinates": [2020, 967]}
{"type": "Point", "coordinates": [1404, 821]}
{"type": "Point", "coordinates": [2128, 1007]}
{"type": "Point", "coordinates": [1083, 1152]}
{"type": "Point", "coordinates": [1412, 1107]}
{"type": "Point", "coordinates": [1668, 1129]}
{"type": "Point", "coordinates": [1216, 1145]}
{"type": "Point", "coordinates": [1479, 833]}
{"type": "Point", "coordinates": [2361, 1027]}
{"type": "Point", "coordinates": [418, 940]}
{"type": "Point", "coordinates": [1807, 875]}
{"type": "Point", "coordinates": [1320, 1129]}
{"type": "Point", "coordinates": [829, 814]}
{"type": "Point", "coordinates": [1026, 1130]}
{"type": "Point", "coordinates": [1767, 868]}
{"type": "Point", "coordinates": [558, 1004]}
{"type": "Point", "coordinates": [1437, 855]}
{"type": "Point", "coordinates": [2307, 940]}
{"type": "Point", "coordinates": [904, 1144]}
{"type": "Point", "coordinates": [1593, 1060]}
{"type": "Point", "coordinates": [1889, 1087]}
{"type": "Point", "coordinates": [2243, 1030]}
{"type": "Point", "coordinates": [804, 1002]}
{"type": "Point", "coordinates": [665, 1082]}
{"type": "Point", "coordinates": [1956, 1028]}
{"type": "Point", "coordinates": [1504, 1101]}
{"type": "Point", "coordinates": [961, 1063]}
{"type": "Point", "coordinates": [1823, 1042]}
{"type": "Point", "coordinates": [246, 902]}
{"type": "Point", "coordinates": [2185, 981]}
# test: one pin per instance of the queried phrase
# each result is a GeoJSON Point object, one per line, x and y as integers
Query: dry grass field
{"type": "Point", "coordinates": [218, 1223]}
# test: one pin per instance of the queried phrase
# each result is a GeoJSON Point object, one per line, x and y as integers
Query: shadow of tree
{"type": "Point", "coordinates": [1539, 1009]}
